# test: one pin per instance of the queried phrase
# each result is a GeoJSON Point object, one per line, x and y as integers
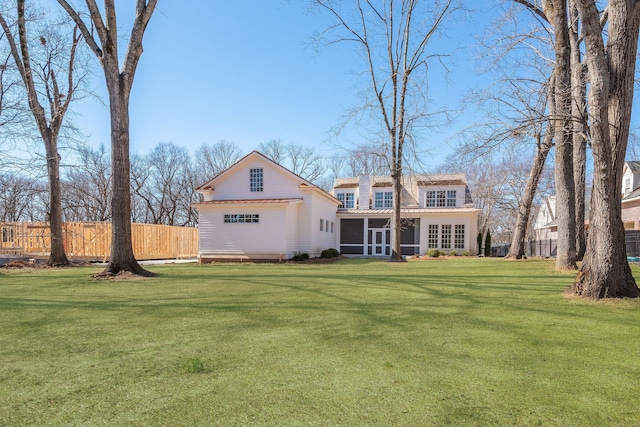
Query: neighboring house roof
{"type": "Point", "coordinates": [634, 165]}
{"type": "Point", "coordinates": [633, 195]}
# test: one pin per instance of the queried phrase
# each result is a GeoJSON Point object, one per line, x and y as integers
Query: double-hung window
{"type": "Point", "coordinates": [346, 200]}
{"type": "Point", "coordinates": [255, 179]}
{"type": "Point", "coordinates": [383, 199]}
{"type": "Point", "coordinates": [451, 198]}
{"type": "Point", "coordinates": [442, 201]}
{"type": "Point", "coordinates": [430, 201]}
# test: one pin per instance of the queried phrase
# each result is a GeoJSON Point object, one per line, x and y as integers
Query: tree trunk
{"type": "Point", "coordinates": [578, 113]}
{"type": "Point", "coordinates": [122, 257]}
{"type": "Point", "coordinates": [605, 271]}
{"type": "Point", "coordinates": [57, 256]}
{"type": "Point", "coordinates": [565, 187]}
{"type": "Point", "coordinates": [396, 253]}
{"type": "Point", "coordinates": [516, 251]}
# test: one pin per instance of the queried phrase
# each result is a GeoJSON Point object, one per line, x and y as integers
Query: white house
{"type": "Point", "coordinates": [259, 210]}
{"type": "Point", "coordinates": [436, 210]}
{"type": "Point", "coordinates": [546, 225]}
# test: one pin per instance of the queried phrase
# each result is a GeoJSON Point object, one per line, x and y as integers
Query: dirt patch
{"type": "Point", "coordinates": [122, 276]}
{"type": "Point", "coordinates": [21, 263]}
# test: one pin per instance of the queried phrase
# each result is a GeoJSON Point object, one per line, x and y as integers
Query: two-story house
{"type": "Point", "coordinates": [436, 210]}
{"type": "Point", "coordinates": [259, 210]}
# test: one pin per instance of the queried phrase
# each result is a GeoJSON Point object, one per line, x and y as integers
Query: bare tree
{"type": "Point", "coordinates": [393, 37]}
{"type": "Point", "coordinates": [543, 146]}
{"type": "Point", "coordinates": [368, 159]}
{"type": "Point", "coordinates": [305, 162]}
{"type": "Point", "coordinates": [214, 158]}
{"type": "Point", "coordinates": [19, 198]}
{"type": "Point", "coordinates": [53, 83]}
{"type": "Point", "coordinates": [12, 97]}
{"type": "Point", "coordinates": [119, 82]}
{"type": "Point", "coordinates": [274, 149]}
{"type": "Point", "coordinates": [87, 186]}
{"type": "Point", "coordinates": [611, 61]}
{"type": "Point", "coordinates": [557, 14]}
{"type": "Point", "coordinates": [579, 134]}
{"type": "Point", "coordinates": [163, 185]}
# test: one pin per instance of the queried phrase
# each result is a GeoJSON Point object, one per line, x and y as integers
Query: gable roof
{"type": "Point", "coordinates": [304, 184]}
{"type": "Point", "coordinates": [634, 165]}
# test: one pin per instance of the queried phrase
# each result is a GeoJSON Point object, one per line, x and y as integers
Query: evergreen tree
{"type": "Point", "coordinates": [487, 244]}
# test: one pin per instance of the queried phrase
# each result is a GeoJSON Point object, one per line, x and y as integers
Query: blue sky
{"type": "Point", "coordinates": [245, 71]}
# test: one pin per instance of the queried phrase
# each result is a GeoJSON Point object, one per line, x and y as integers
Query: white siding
{"type": "Point", "coordinates": [277, 184]}
{"type": "Point", "coordinates": [470, 230]}
{"type": "Point", "coordinates": [268, 237]}
{"type": "Point", "coordinates": [321, 240]}
{"type": "Point", "coordinates": [291, 225]}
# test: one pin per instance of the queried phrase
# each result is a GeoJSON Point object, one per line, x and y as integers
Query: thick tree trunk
{"type": "Point", "coordinates": [122, 257]}
{"type": "Point", "coordinates": [565, 187]}
{"type": "Point", "coordinates": [516, 251]}
{"type": "Point", "coordinates": [57, 256]}
{"type": "Point", "coordinates": [605, 271]}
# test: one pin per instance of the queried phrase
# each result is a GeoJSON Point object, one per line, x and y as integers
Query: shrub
{"type": "Point", "coordinates": [433, 253]}
{"type": "Point", "coordinates": [300, 256]}
{"type": "Point", "coordinates": [453, 253]}
{"type": "Point", "coordinates": [329, 253]}
{"type": "Point", "coordinates": [466, 253]}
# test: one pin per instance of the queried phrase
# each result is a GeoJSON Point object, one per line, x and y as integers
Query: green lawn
{"type": "Point", "coordinates": [462, 341]}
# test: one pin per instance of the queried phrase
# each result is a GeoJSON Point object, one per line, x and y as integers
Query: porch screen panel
{"type": "Point", "coordinates": [352, 236]}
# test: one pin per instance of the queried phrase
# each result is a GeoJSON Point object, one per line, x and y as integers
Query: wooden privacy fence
{"type": "Point", "coordinates": [92, 241]}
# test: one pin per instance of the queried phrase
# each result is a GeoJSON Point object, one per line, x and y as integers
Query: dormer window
{"type": "Point", "coordinates": [346, 200]}
{"type": "Point", "coordinates": [440, 199]}
{"type": "Point", "coordinates": [451, 198]}
{"type": "Point", "coordinates": [255, 179]}
{"type": "Point", "coordinates": [383, 199]}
